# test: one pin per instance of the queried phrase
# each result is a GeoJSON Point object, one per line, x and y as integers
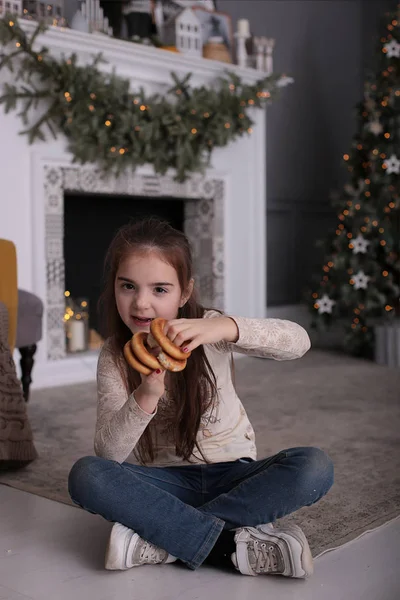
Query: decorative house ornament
{"type": "Point", "coordinates": [184, 32]}
{"type": "Point", "coordinates": [10, 6]}
{"type": "Point", "coordinates": [51, 12]}
{"type": "Point", "coordinates": [90, 18]}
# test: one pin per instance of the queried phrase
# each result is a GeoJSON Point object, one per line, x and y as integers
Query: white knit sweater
{"type": "Point", "coordinates": [224, 435]}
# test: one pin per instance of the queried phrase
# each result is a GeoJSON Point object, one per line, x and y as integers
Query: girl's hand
{"type": "Point", "coordinates": [191, 333]}
{"type": "Point", "coordinates": [150, 390]}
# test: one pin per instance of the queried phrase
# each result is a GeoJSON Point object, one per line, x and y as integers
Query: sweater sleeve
{"type": "Point", "coordinates": [265, 338]}
{"type": "Point", "coordinates": [120, 420]}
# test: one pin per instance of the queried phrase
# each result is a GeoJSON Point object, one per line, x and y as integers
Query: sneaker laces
{"type": "Point", "coordinates": [265, 557]}
{"type": "Point", "coordinates": [151, 554]}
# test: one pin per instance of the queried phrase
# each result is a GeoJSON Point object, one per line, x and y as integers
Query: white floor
{"type": "Point", "coordinates": [50, 551]}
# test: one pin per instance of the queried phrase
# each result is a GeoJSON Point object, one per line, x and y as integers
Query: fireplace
{"type": "Point", "coordinates": [90, 221]}
{"type": "Point", "coordinates": [224, 208]}
{"type": "Point", "coordinates": [197, 209]}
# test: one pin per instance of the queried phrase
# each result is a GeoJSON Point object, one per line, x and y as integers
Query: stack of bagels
{"type": "Point", "coordinates": [170, 357]}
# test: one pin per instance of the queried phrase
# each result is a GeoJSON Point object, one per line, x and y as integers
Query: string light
{"type": "Point", "coordinates": [346, 156]}
{"type": "Point", "coordinates": [136, 101]}
{"type": "Point", "coordinates": [251, 101]}
{"type": "Point", "coordinates": [67, 294]}
{"type": "Point", "coordinates": [385, 273]}
{"type": "Point", "coordinates": [241, 116]}
{"type": "Point", "coordinates": [206, 115]}
{"type": "Point", "coordinates": [193, 111]}
{"type": "Point", "coordinates": [227, 125]}
{"type": "Point", "coordinates": [194, 131]}
{"type": "Point", "coordinates": [382, 243]}
{"type": "Point", "coordinates": [392, 204]}
{"type": "Point", "coordinates": [91, 107]}
{"type": "Point", "coordinates": [381, 230]}
{"type": "Point", "coordinates": [122, 151]}
{"type": "Point", "coordinates": [107, 123]}
{"type": "Point", "coordinates": [387, 135]}
{"type": "Point", "coordinates": [40, 58]}
{"type": "Point", "coordinates": [232, 87]}
{"type": "Point", "coordinates": [11, 23]}
{"type": "Point", "coordinates": [388, 308]}
{"type": "Point", "coordinates": [250, 130]}
{"type": "Point", "coordinates": [137, 128]}
{"type": "Point", "coordinates": [93, 96]}
{"type": "Point", "coordinates": [113, 149]}
{"type": "Point", "coordinates": [18, 45]}
{"type": "Point", "coordinates": [143, 107]}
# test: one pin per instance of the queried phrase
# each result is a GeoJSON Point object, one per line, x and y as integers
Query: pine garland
{"type": "Point", "coordinates": [105, 123]}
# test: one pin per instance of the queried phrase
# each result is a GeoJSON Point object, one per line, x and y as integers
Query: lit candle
{"type": "Point", "coordinates": [243, 27]}
{"type": "Point", "coordinates": [76, 335]}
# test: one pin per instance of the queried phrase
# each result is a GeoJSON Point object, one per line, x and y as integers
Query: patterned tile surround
{"type": "Point", "coordinates": [204, 225]}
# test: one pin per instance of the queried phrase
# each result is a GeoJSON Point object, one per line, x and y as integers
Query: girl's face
{"type": "Point", "coordinates": [146, 287]}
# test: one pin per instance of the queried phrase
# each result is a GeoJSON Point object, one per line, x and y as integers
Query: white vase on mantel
{"type": "Point", "coordinates": [79, 23]}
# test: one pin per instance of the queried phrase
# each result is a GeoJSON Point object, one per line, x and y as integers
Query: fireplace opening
{"type": "Point", "coordinates": [90, 222]}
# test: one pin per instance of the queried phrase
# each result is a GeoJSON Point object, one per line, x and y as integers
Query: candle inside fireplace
{"type": "Point", "coordinates": [76, 336]}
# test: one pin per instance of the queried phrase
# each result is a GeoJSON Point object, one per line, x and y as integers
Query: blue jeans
{"type": "Point", "coordinates": [183, 509]}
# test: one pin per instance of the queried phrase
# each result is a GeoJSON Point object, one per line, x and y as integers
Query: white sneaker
{"type": "Point", "coordinates": [271, 550]}
{"type": "Point", "coordinates": [126, 549]}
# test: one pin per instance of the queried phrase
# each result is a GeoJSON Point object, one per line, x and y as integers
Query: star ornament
{"type": "Point", "coordinates": [361, 281]}
{"type": "Point", "coordinates": [392, 165]}
{"type": "Point", "coordinates": [376, 128]}
{"type": "Point", "coordinates": [393, 49]}
{"type": "Point", "coordinates": [360, 244]}
{"type": "Point", "coordinates": [325, 304]}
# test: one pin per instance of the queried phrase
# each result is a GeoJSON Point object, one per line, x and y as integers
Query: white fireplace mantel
{"type": "Point", "coordinates": [240, 166]}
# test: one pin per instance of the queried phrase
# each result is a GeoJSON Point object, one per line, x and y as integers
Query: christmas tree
{"type": "Point", "coordinates": [360, 279]}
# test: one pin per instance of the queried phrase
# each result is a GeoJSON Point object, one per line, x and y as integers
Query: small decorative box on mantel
{"type": "Point", "coordinates": [387, 343]}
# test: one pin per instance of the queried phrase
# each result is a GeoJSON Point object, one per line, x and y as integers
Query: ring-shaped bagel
{"type": "Point", "coordinates": [134, 362]}
{"type": "Point", "coordinates": [141, 352]}
{"type": "Point", "coordinates": [157, 331]}
{"type": "Point", "coordinates": [171, 364]}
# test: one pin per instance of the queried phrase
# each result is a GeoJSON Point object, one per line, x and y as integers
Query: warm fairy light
{"type": "Point", "coordinates": [397, 93]}
{"type": "Point", "coordinates": [250, 130]}
{"type": "Point", "coordinates": [359, 146]}
{"type": "Point", "coordinates": [350, 271]}
{"type": "Point", "coordinates": [122, 151]}
{"type": "Point", "coordinates": [179, 92]}
{"type": "Point", "coordinates": [107, 123]}
{"type": "Point", "coordinates": [241, 116]}
{"type": "Point", "coordinates": [346, 212]}
{"type": "Point", "coordinates": [11, 23]}
{"type": "Point", "coordinates": [337, 232]}
{"type": "Point", "coordinates": [136, 101]}
{"type": "Point", "coordinates": [349, 203]}
{"type": "Point", "coordinates": [387, 135]}
{"type": "Point", "coordinates": [67, 294]}
{"type": "Point", "coordinates": [394, 22]}
{"type": "Point", "coordinates": [346, 156]}
{"type": "Point", "coordinates": [113, 149]}
{"type": "Point", "coordinates": [330, 264]}
{"type": "Point", "coordinates": [381, 230]}
{"type": "Point", "coordinates": [326, 269]}
{"type": "Point", "coordinates": [341, 226]}
{"type": "Point", "coordinates": [232, 87]}
{"type": "Point", "coordinates": [316, 305]}
{"type": "Point", "coordinates": [227, 125]}
{"type": "Point", "coordinates": [351, 246]}
{"type": "Point", "coordinates": [388, 308]}
{"type": "Point", "coordinates": [315, 295]}
{"type": "Point", "coordinates": [358, 206]}
{"type": "Point", "coordinates": [367, 181]}
{"type": "Point", "coordinates": [40, 58]}
{"type": "Point", "coordinates": [368, 194]}
{"type": "Point", "coordinates": [357, 311]}
{"type": "Point", "coordinates": [363, 229]}
{"type": "Point", "coordinates": [349, 235]}
{"type": "Point", "coordinates": [383, 155]}
{"type": "Point", "coordinates": [251, 101]}
{"type": "Point", "coordinates": [356, 320]}
{"type": "Point", "coordinates": [206, 115]}
{"type": "Point", "coordinates": [351, 281]}
{"type": "Point", "coordinates": [366, 219]}
{"type": "Point", "coordinates": [93, 96]}
{"type": "Point", "coordinates": [392, 204]}
{"type": "Point", "coordinates": [18, 45]}
{"type": "Point", "coordinates": [341, 217]}
{"type": "Point", "coordinates": [385, 273]}
{"type": "Point", "coordinates": [137, 128]}
{"type": "Point", "coordinates": [375, 223]}
{"type": "Point", "coordinates": [382, 243]}
{"type": "Point", "coordinates": [384, 103]}
{"type": "Point", "coordinates": [193, 111]}
{"type": "Point", "coordinates": [142, 107]}
{"type": "Point", "coordinates": [353, 326]}
{"type": "Point", "coordinates": [325, 278]}
{"type": "Point", "coordinates": [386, 209]}
{"type": "Point", "coordinates": [67, 94]}
{"type": "Point", "coordinates": [91, 107]}
{"type": "Point", "coordinates": [194, 131]}
{"type": "Point", "coordinates": [375, 151]}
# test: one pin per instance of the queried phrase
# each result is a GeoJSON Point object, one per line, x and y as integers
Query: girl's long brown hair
{"type": "Point", "coordinates": [193, 390]}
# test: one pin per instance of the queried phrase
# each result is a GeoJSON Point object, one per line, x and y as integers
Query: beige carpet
{"type": "Point", "coordinates": [349, 408]}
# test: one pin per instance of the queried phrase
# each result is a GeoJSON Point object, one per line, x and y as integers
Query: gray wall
{"type": "Point", "coordinates": [325, 45]}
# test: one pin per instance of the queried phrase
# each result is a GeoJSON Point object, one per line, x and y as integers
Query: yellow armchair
{"type": "Point", "coordinates": [9, 286]}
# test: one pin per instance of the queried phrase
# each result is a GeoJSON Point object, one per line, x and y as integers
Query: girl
{"type": "Point", "coordinates": [192, 488]}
